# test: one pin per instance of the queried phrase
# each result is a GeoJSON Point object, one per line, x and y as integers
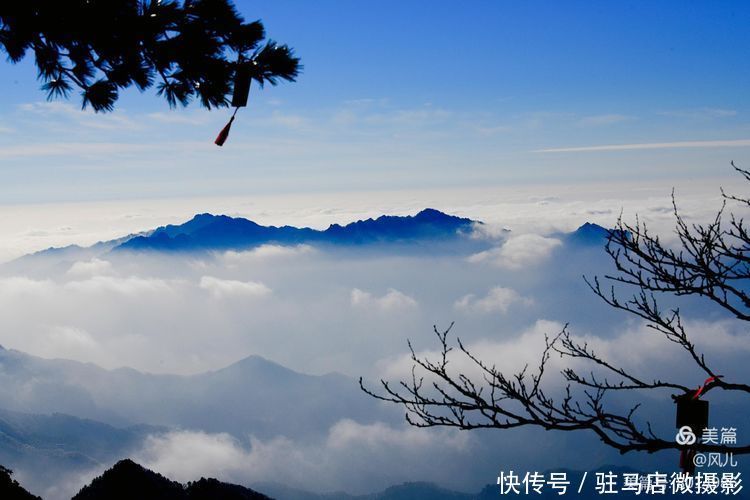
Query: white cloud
{"type": "Point", "coordinates": [701, 113]}
{"type": "Point", "coordinates": [359, 297]}
{"type": "Point", "coordinates": [635, 348]}
{"type": "Point", "coordinates": [491, 231]}
{"type": "Point", "coordinates": [180, 117]}
{"type": "Point", "coordinates": [721, 337]}
{"type": "Point", "coordinates": [64, 487]}
{"type": "Point", "coordinates": [638, 349]}
{"type": "Point", "coordinates": [132, 285]}
{"type": "Point", "coordinates": [89, 268]}
{"type": "Point", "coordinates": [498, 299]}
{"type": "Point", "coordinates": [511, 354]}
{"type": "Point", "coordinates": [75, 148]}
{"type": "Point", "coordinates": [644, 350]}
{"type": "Point", "coordinates": [518, 252]}
{"type": "Point", "coordinates": [290, 121]}
{"type": "Point", "coordinates": [21, 285]}
{"type": "Point", "coordinates": [602, 120]}
{"type": "Point", "coordinates": [264, 252]}
{"type": "Point", "coordinates": [81, 117]}
{"type": "Point", "coordinates": [348, 434]}
{"type": "Point", "coordinates": [220, 288]}
{"type": "Point", "coordinates": [738, 143]}
{"type": "Point", "coordinates": [187, 456]}
{"type": "Point", "coordinates": [353, 456]}
{"type": "Point", "coordinates": [393, 299]}
{"type": "Point", "coordinates": [67, 342]}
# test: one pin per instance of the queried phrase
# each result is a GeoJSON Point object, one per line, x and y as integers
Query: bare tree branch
{"type": "Point", "coordinates": [711, 261]}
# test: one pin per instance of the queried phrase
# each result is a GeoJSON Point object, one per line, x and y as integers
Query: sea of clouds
{"type": "Point", "coordinates": [319, 311]}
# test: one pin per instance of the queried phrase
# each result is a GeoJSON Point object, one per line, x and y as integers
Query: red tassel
{"type": "Point", "coordinates": [222, 137]}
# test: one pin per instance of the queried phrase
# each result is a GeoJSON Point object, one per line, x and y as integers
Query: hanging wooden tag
{"type": "Point", "coordinates": [693, 413]}
{"type": "Point", "coordinates": [241, 85]}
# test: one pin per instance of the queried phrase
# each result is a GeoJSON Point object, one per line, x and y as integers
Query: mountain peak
{"type": "Point", "coordinates": [431, 213]}
{"type": "Point", "coordinates": [204, 218]}
{"type": "Point", "coordinates": [590, 226]}
{"type": "Point", "coordinates": [589, 234]}
{"type": "Point", "coordinates": [204, 215]}
{"type": "Point", "coordinates": [127, 480]}
{"type": "Point", "coordinates": [127, 465]}
{"type": "Point", "coordinates": [255, 363]}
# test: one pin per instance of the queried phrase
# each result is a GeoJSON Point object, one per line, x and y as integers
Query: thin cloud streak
{"type": "Point", "coordinates": [94, 148]}
{"type": "Point", "coordinates": [738, 143]}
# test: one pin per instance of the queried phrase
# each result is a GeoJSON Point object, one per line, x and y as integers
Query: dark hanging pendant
{"type": "Point", "coordinates": [240, 94]}
{"type": "Point", "coordinates": [693, 413]}
{"type": "Point", "coordinates": [241, 85]}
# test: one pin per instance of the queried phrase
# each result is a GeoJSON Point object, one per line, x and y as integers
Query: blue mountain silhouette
{"type": "Point", "coordinates": [216, 232]}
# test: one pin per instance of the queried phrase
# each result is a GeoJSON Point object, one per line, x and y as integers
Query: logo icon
{"type": "Point", "coordinates": [685, 436]}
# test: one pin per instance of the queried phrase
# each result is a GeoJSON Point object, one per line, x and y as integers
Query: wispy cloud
{"type": "Point", "coordinates": [220, 288]}
{"type": "Point", "coordinates": [700, 113]}
{"type": "Point", "coordinates": [603, 120]}
{"type": "Point", "coordinates": [736, 143]}
{"type": "Point", "coordinates": [335, 461]}
{"type": "Point", "coordinates": [292, 121]}
{"type": "Point", "coordinates": [380, 113]}
{"type": "Point", "coordinates": [82, 118]}
{"type": "Point", "coordinates": [518, 252]}
{"type": "Point", "coordinates": [393, 299]}
{"type": "Point", "coordinates": [498, 299]}
{"type": "Point", "coordinates": [94, 148]}
{"type": "Point", "coordinates": [193, 118]}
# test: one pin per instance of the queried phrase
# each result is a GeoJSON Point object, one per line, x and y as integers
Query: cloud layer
{"type": "Point", "coordinates": [320, 310]}
{"type": "Point", "coordinates": [351, 457]}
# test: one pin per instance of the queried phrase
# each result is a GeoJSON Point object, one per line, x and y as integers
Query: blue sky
{"type": "Point", "coordinates": [415, 95]}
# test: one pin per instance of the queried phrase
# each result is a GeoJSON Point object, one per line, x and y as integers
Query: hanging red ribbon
{"type": "Point", "coordinates": [699, 391]}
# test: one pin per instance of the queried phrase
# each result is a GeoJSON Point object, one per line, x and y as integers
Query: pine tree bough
{"type": "Point", "coordinates": [712, 261]}
{"type": "Point", "coordinates": [192, 48]}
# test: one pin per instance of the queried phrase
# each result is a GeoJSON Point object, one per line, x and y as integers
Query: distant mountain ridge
{"type": "Point", "coordinates": [220, 232]}
{"type": "Point", "coordinates": [125, 397]}
{"type": "Point", "coordinates": [59, 416]}
{"type": "Point", "coordinates": [24, 437]}
{"type": "Point", "coordinates": [429, 230]}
